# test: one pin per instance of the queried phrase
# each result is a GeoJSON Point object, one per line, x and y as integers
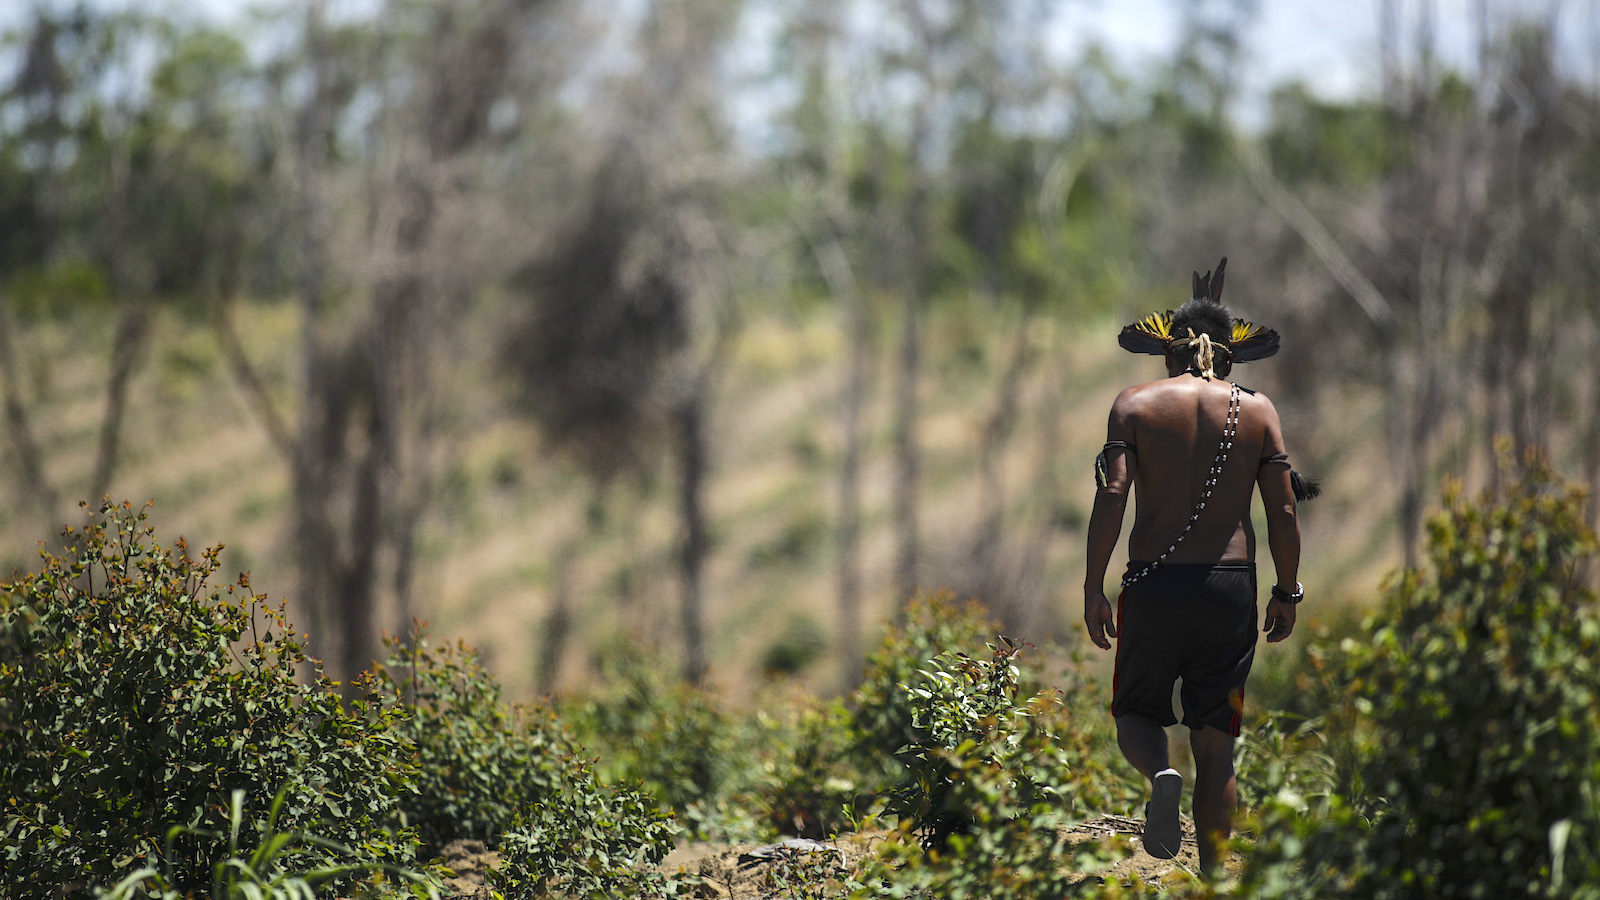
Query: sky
{"type": "Point", "coordinates": [1328, 46]}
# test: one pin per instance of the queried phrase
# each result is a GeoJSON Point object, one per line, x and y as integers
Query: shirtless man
{"type": "Point", "coordinates": [1194, 447]}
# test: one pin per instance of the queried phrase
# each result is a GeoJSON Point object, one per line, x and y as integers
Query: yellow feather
{"type": "Point", "coordinates": [1158, 324]}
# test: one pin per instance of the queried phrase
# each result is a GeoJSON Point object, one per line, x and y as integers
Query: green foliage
{"type": "Point", "coordinates": [145, 714]}
{"type": "Point", "coordinates": [802, 641]}
{"type": "Point", "coordinates": [1337, 144]}
{"type": "Point", "coordinates": [587, 842]}
{"type": "Point", "coordinates": [136, 698]}
{"type": "Point", "coordinates": [477, 763]}
{"type": "Point", "coordinates": [884, 711]}
{"type": "Point", "coordinates": [811, 784]}
{"type": "Point", "coordinates": [966, 717]}
{"type": "Point", "coordinates": [1473, 768]}
{"type": "Point", "coordinates": [989, 786]}
{"type": "Point", "coordinates": [960, 705]}
{"type": "Point", "coordinates": [1288, 765]}
{"type": "Point", "coordinates": [265, 873]}
{"type": "Point", "coordinates": [671, 738]}
{"type": "Point", "coordinates": [806, 875]}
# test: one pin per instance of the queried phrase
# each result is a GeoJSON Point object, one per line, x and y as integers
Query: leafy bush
{"type": "Point", "coordinates": [585, 841]}
{"type": "Point", "coordinates": [264, 873]}
{"type": "Point", "coordinates": [134, 698]}
{"type": "Point", "coordinates": [478, 763]}
{"type": "Point", "coordinates": [884, 712]}
{"type": "Point", "coordinates": [966, 718]}
{"type": "Point", "coordinates": [990, 783]}
{"type": "Point", "coordinates": [1473, 769]}
{"type": "Point", "coordinates": [671, 738]}
{"type": "Point", "coordinates": [811, 785]}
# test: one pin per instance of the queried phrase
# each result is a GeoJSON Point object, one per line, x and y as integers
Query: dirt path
{"type": "Point", "coordinates": [756, 871]}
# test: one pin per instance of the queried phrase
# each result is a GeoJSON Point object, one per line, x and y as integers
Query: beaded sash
{"type": "Point", "coordinates": [1229, 430]}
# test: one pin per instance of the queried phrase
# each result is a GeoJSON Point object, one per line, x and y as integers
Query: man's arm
{"type": "Point", "coordinates": [1283, 526]}
{"type": "Point", "coordinates": [1105, 526]}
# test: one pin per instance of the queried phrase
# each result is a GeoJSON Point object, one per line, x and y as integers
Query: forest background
{"type": "Point", "coordinates": [564, 328]}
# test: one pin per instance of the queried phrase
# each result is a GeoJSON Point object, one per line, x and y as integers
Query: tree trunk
{"type": "Point", "coordinates": [126, 346]}
{"type": "Point", "coordinates": [19, 425]}
{"type": "Point", "coordinates": [313, 539]}
{"type": "Point", "coordinates": [907, 447]}
{"type": "Point", "coordinates": [907, 454]}
{"type": "Point", "coordinates": [836, 270]}
{"type": "Point", "coordinates": [997, 431]}
{"type": "Point", "coordinates": [692, 453]}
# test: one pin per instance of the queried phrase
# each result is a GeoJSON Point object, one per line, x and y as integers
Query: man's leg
{"type": "Point", "coordinates": [1144, 743]}
{"type": "Point", "coordinates": [1216, 792]}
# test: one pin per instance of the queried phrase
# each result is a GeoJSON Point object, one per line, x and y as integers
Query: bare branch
{"type": "Point", "coordinates": [249, 378]}
{"type": "Point", "coordinates": [1316, 235]}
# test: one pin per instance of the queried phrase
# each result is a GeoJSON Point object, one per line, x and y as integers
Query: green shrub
{"type": "Point", "coordinates": [931, 624]}
{"type": "Point", "coordinates": [135, 698]}
{"type": "Point", "coordinates": [966, 718]}
{"type": "Point", "coordinates": [585, 841]}
{"type": "Point", "coordinates": [650, 728]}
{"type": "Point", "coordinates": [989, 785]}
{"type": "Point", "coordinates": [266, 873]}
{"type": "Point", "coordinates": [811, 786]}
{"type": "Point", "coordinates": [802, 642]}
{"type": "Point", "coordinates": [1475, 755]}
{"type": "Point", "coordinates": [478, 763]}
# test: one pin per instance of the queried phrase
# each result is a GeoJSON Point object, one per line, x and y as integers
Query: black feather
{"type": "Point", "coordinates": [1304, 488]}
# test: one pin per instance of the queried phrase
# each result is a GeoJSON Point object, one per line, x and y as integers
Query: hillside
{"type": "Point", "coordinates": [513, 528]}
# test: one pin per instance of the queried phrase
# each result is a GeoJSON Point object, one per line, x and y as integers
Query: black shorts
{"type": "Point", "coordinates": [1191, 621]}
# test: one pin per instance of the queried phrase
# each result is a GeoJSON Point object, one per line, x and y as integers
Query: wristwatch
{"type": "Point", "coordinates": [1284, 596]}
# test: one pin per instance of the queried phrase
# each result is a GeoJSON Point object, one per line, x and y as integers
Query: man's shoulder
{"type": "Point", "coordinates": [1134, 392]}
{"type": "Point", "coordinates": [1168, 390]}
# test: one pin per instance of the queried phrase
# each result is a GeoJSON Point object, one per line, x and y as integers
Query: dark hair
{"type": "Point", "coordinates": [1204, 317]}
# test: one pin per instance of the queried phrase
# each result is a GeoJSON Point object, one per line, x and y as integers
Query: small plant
{"type": "Point", "coordinates": [810, 780]}
{"type": "Point", "coordinates": [929, 625]}
{"type": "Point", "coordinates": [134, 696]}
{"type": "Point", "coordinates": [267, 872]}
{"type": "Point", "coordinates": [960, 707]}
{"type": "Point", "coordinates": [586, 841]}
{"type": "Point", "coordinates": [672, 739]}
{"type": "Point", "coordinates": [967, 718]}
{"type": "Point", "coordinates": [806, 875]}
{"type": "Point", "coordinates": [477, 762]}
{"type": "Point", "coordinates": [989, 785]}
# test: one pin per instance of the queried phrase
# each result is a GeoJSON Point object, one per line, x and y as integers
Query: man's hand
{"type": "Point", "coordinates": [1098, 618]}
{"type": "Point", "coordinates": [1280, 620]}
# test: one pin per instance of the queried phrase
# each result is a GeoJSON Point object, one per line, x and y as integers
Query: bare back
{"type": "Point", "coordinates": [1173, 428]}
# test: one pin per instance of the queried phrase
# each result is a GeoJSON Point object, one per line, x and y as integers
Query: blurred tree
{"type": "Point", "coordinates": [421, 84]}
{"type": "Point", "coordinates": [621, 340]}
{"type": "Point", "coordinates": [821, 159]}
{"type": "Point", "coordinates": [1455, 224]}
{"type": "Point", "coordinates": [121, 135]}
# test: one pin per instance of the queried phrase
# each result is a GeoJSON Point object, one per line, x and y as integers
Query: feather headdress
{"type": "Point", "coordinates": [1153, 334]}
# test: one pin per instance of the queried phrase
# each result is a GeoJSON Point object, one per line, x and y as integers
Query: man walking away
{"type": "Point", "coordinates": [1193, 447]}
